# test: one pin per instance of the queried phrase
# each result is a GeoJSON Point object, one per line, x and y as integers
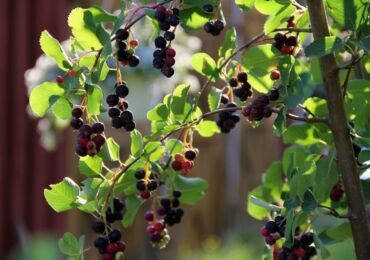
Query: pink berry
{"type": "Point", "coordinates": [145, 195]}
{"type": "Point", "coordinates": [150, 229]}
{"type": "Point", "coordinates": [59, 79]}
{"type": "Point", "coordinates": [112, 248]}
{"type": "Point", "coordinates": [275, 75]}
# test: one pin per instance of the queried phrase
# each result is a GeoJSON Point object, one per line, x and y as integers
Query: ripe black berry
{"type": "Point", "coordinates": [160, 15]}
{"type": "Point", "coordinates": [242, 77]}
{"type": "Point", "coordinates": [116, 122]}
{"type": "Point", "coordinates": [174, 20]}
{"type": "Point", "coordinates": [113, 112]}
{"type": "Point", "coordinates": [81, 151]}
{"type": "Point", "coordinates": [140, 174]}
{"type": "Point", "coordinates": [122, 45]}
{"type": "Point", "coordinates": [126, 116]}
{"type": "Point", "coordinates": [164, 25]}
{"type": "Point", "coordinates": [129, 126]}
{"type": "Point", "coordinates": [140, 185]}
{"type": "Point", "coordinates": [159, 54]}
{"type": "Point", "coordinates": [158, 63]}
{"type": "Point", "coordinates": [152, 185]}
{"type": "Point", "coordinates": [122, 34]}
{"type": "Point", "coordinates": [207, 8]}
{"type": "Point", "coordinates": [291, 41]}
{"type": "Point", "coordinates": [118, 204]}
{"type": "Point", "coordinates": [133, 61]}
{"type": "Point", "coordinates": [176, 193]}
{"type": "Point", "coordinates": [86, 130]}
{"type": "Point", "coordinates": [122, 90]}
{"type": "Point", "coordinates": [273, 95]}
{"type": "Point", "coordinates": [77, 112]}
{"type": "Point", "coordinates": [101, 243]}
{"type": "Point", "coordinates": [307, 238]}
{"type": "Point", "coordinates": [112, 100]}
{"type": "Point", "coordinates": [169, 36]}
{"type": "Point", "coordinates": [114, 236]}
{"type": "Point", "coordinates": [167, 71]}
{"type": "Point", "coordinates": [98, 226]}
{"type": "Point", "coordinates": [209, 27]}
{"type": "Point", "coordinates": [218, 27]}
{"type": "Point", "coordinates": [190, 155]}
{"type": "Point", "coordinates": [76, 123]}
{"type": "Point", "coordinates": [175, 203]}
{"type": "Point", "coordinates": [160, 42]}
{"type": "Point", "coordinates": [271, 227]}
{"type": "Point", "coordinates": [224, 99]}
{"type": "Point", "coordinates": [166, 203]}
{"type": "Point", "coordinates": [233, 82]}
{"type": "Point", "coordinates": [99, 140]}
{"type": "Point", "coordinates": [123, 55]}
{"type": "Point", "coordinates": [98, 128]}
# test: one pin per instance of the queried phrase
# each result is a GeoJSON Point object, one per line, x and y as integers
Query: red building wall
{"type": "Point", "coordinates": [25, 168]}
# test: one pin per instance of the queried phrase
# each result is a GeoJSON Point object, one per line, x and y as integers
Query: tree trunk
{"type": "Point", "coordinates": [339, 126]}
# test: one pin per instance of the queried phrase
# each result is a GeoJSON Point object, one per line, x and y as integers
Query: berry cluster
{"type": "Point", "coordinates": [145, 185]}
{"type": "Point", "coordinates": [275, 229]}
{"type": "Point", "coordinates": [285, 44]}
{"type": "Point", "coordinates": [109, 244]}
{"type": "Point", "coordinates": [337, 192]}
{"type": "Point", "coordinates": [241, 88]}
{"type": "Point", "coordinates": [156, 230]}
{"type": "Point", "coordinates": [164, 55]}
{"type": "Point", "coordinates": [212, 27]}
{"type": "Point", "coordinates": [90, 139]}
{"type": "Point", "coordinates": [184, 162]}
{"type": "Point", "coordinates": [170, 210]}
{"type": "Point", "coordinates": [226, 119]}
{"type": "Point", "coordinates": [121, 117]}
{"type": "Point", "coordinates": [126, 51]}
{"type": "Point", "coordinates": [259, 109]}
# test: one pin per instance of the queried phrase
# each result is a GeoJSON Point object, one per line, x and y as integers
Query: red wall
{"type": "Point", "coordinates": [25, 168]}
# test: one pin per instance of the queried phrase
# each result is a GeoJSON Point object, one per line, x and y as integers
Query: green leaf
{"type": "Point", "coordinates": [260, 203]}
{"type": "Point", "coordinates": [136, 143]}
{"type": "Point", "coordinates": [309, 201]}
{"type": "Point", "coordinates": [272, 180]}
{"type": "Point", "coordinates": [110, 151]}
{"type": "Point", "coordinates": [208, 128]}
{"type": "Point", "coordinates": [245, 5]}
{"type": "Point", "coordinates": [214, 98]}
{"type": "Point", "coordinates": [179, 96]}
{"type": "Point", "coordinates": [363, 43]}
{"type": "Point", "coordinates": [200, 3]}
{"type": "Point", "coordinates": [62, 108]}
{"type": "Point", "coordinates": [69, 245]}
{"type": "Point", "coordinates": [101, 15]}
{"type": "Point", "coordinates": [348, 14]}
{"type": "Point", "coordinates": [52, 48]}
{"type": "Point", "coordinates": [159, 112]}
{"type": "Point", "coordinates": [132, 204]}
{"type": "Point", "coordinates": [280, 122]}
{"type": "Point", "coordinates": [270, 7]}
{"type": "Point", "coordinates": [358, 101]}
{"type": "Point", "coordinates": [256, 211]}
{"type": "Point", "coordinates": [61, 196]}
{"type": "Point", "coordinates": [262, 56]}
{"type": "Point", "coordinates": [94, 99]}
{"type": "Point", "coordinates": [83, 28]}
{"type": "Point", "coordinates": [90, 166]}
{"type": "Point", "coordinates": [324, 46]}
{"type": "Point", "coordinates": [41, 97]}
{"type": "Point", "coordinates": [278, 19]}
{"type": "Point", "coordinates": [157, 154]}
{"type": "Point", "coordinates": [229, 44]}
{"type": "Point", "coordinates": [205, 65]}
{"type": "Point", "coordinates": [302, 134]}
{"type": "Point", "coordinates": [192, 188]}
{"type": "Point", "coordinates": [193, 18]}
{"type": "Point", "coordinates": [174, 146]}
{"type": "Point", "coordinates": [151, 147]}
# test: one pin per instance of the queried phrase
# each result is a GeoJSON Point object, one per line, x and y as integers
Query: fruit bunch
{"type": "Point", "coordinates": [145, 184]}
{"type": "Point", "coordinates": [212, 27]}
{"type": "Point", "coordinates": [164, 55]}
{"type": "Point", "coordinates": [226, 119]}
{"type": "Point", "coordinates": [337, 192]}
{"type": "Point", "coordinates": [170, 210]}
{"type": "Point", "coordinates": [126, 50]}
{"type": "Point", "coordinates": [184, 161]}
{"type": "Point", "coordinates": [284, 43]}
{"type": "Point", "coordinates": [156, 230]}
{"type": "Point", "coordinates": [259, 108]}
{"type": "Point", "coordinates": [89, 139]}
{"type": "Point", "coordinates": [241, 88]}
{"type": "Point", "coordinates": [302, 248]}
{"type": "Point", "coordinates": [109, 242]}
{"type": "Point", "coordinates": [120, 116]}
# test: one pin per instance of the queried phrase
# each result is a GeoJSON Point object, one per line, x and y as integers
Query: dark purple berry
{"type": "Point", "coordinates": [190, 155]}
{"type": "Point", "coordinates": [176, 193]}
{"type": "Point", "coordinates": [207, 8]}
{"type": "Point", "coordinates": [174, 20]}
{"type": "Point", "coordinates": [98, 226]}
{"type": "Point", "coordinates": [149, 216]}
{"type": "Point", "coordinates": [140, 174]}
{"type": "Point", "coordinates": [122, 45]}
{"type": "Point", "coordinates": [307, 238]}
{"type": "Point", "coordinates": [126, 116]}
{"type": "Point", "coordinates": [116, 122]}
{"type": "Point", "coordinates": [165, 203]}
{"type": "Point", "coordinates": [98, 128]}
{"type": "Point", "coordinates": [159, 54]}
{"type": "Point", "coordinates": [101, 243]}
{"type": "Point", "coordinates": [113, 112]}
{"type": "Point", "coordinates": [233, 82]}
{"type": "Point", "coordinates": [99, 140]}
{"type": "Point", "coordinates": [291, 41]}
{"type": "Point", "coordinates": [160, 42]}
{"type": "Point", "coordinates": [129, 126]}
{"type": "Point", "coordinates": [273, 95]}
{"type": "Point", "coordinates": [112, 100]}
{"type": "Point", "coordinates": [123, 55]}
{"type": "Point", "coordinates": [114, 236]}
{"type": "Point", "coordinates": [140, 185]}
{"type": "Point", "coordinates": [133, 61]}
{"type": "Point", "coordinates": [175, 202]}
{"type": "Point", "coordinates": [271, 227]}
{"type": "Point", "coordinates": [77, 112]}
{"type": "Point", "coordinates": [118, 204]}
{"type": "Point", "coordinates": [209, 27]}
{"type": "Point", "coordinates": [160, 15]}
{"type": "Point", "coordinates": [76, 123]}
{"type": "Point", "coordinates": [167, 71]}
{"type": "Point", "coordinates": [242, 77]}
{"type": "Point", "coordinates": [169, 36]}
{"type": "Point", "coordinates": [158, 63]}
{"type": "Point", "coordinates": [122, 34]}
{"type": "Point", "coordinates": [152, 185]}
{"type": "Point", "coordinates": [122, 90]}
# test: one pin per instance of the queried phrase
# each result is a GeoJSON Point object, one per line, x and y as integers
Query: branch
{"type": "Point", "coordinates": [293, 29]}
{"type": "Point", "coordinates": [342, 140]}
{"type": "Point", "coordinates": [304, 119]}
{"type": "Point", "coordinates": [333, 212]}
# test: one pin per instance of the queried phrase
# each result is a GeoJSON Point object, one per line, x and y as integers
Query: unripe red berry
{"type": "Point", "coordinates": [159, 226]}
{"type": "Point", "coordinates": [177, 165]}
{"type": "Point", "coordinates": [286, 49]}
{"type": "Point", "coordinates": [144, 195]}
{"type": "Point", "coordinates": [121, 246]}
{"type": "Point", "coordinates": [264, 232]}
{"type": "Point", "coordinates": [108, 256]}
{"type": "Point", "coordinates": [291, 24]}
{"type": "Point", "coordinates": [133, 43]}
{"type": "Point", "coordinates": [299, 252]}
{"type": "Point", "coordinates": [171, 52]}
{"type": "Point", "coordinates": [71, 73]}
{"type": "Point", "coordinates": [59, 79]}
{"type": "Point", "coordinates": [275, 75]}
{"type": "Point", "coordinates": [150, 229]}
{"type": "Point", "coordinates": [112, 248]}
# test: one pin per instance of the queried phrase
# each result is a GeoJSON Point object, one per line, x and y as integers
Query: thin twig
{"type": "Point", "coordinates": [333, 212]}
{"type": "Point", "coordinates": [293, 29]}
{"type": "Point", "coordinates": [304, 119]}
